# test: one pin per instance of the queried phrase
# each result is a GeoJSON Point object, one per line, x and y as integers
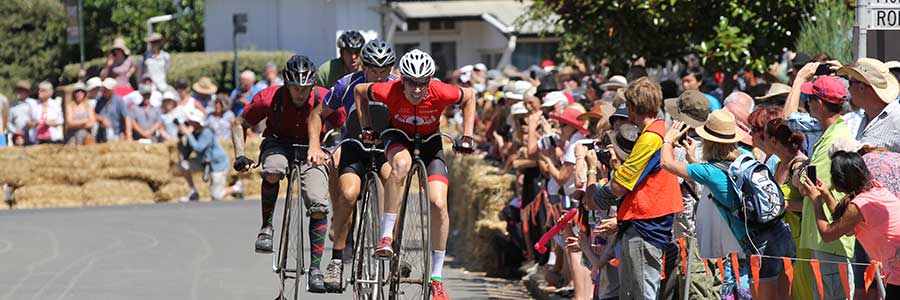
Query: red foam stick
{"type": "Point", "coordinates": [540, 246]}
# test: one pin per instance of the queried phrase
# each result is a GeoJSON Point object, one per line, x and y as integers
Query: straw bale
{"type": "Point", "coordinates": [172, 191]}
{"type": "Point", "coordinates": [135, 160]}
{"type": "Point", "coordinates": [17, 167]}
{"type": "Point", "coordinates": [49, 195]}
{"type": "Point", "coordinates": [146, 175]}
{"type": "Point", "coordinates": [117, 192]}
{"type": "Point", "coordinates": [132, 147]}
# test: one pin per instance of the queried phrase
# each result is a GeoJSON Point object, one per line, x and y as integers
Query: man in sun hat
{"type": "Point", "coordinates": [614, 83]}
{"type": "Point", "coordinates": [554, 102]}
{"type": "Point", "coordinates": [111, 112]}
{"type": "Point", "coordinates": [516, 90]}
{"type": "Point", "coordinates": [201, 140]}
{"type": "Point", "coordinates": [691, 107]}
{"type": "Point", "coordinates": [875, 89]}
{"type": "Point", "coordinates": [826, 96]}
{"type": "Point", "coordinates": [646, 214]}
{"type": "Point", "coordinates": [204, 91]}
{"type": "Point", "coordinates": [776, 95]}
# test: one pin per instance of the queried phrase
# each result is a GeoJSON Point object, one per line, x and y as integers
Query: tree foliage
{"type": "Point", "coordinates": [828, 30]}
{"type": "Point", "coordinates": [32, 32]}
{"type": "Point", "coordinates": [726, 35]}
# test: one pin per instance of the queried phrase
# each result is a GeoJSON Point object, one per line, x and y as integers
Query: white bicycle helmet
{"type": "Point", "coordinates": [378, 53]}
{"type": "Point", "coordinates": [416, 64]}
{"type": "Point", "coordinates": [351, 39]}
{"type": "Point", "coordinates": [299, 70]}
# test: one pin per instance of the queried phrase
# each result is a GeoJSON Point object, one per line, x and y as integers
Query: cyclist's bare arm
{"type": "Point", "coordinates": [468, 105]}
{"type": "Point", "coordinates": [239, 135]}
{"type": "Point", "coordinates": [361, 97]}
{"type": "Point", "coordinates": [314, 126]}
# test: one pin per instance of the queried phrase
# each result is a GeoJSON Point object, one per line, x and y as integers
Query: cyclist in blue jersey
{"type": "Point", "coordinates": [377, 58]}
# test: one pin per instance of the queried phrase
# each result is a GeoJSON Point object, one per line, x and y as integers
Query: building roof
{"type": "Point", "coordinates": [504, 11]}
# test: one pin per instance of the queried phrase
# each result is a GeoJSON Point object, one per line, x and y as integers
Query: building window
{"type": "Point", "coordinates": [444, 54]}
{"type": "Point", "coordinates": [532, 53]}
{"type": "Point", "coordinates": [441, 25]}
{"type": "Point", "coordinates": [491, 59]}
{"type": "Point", "coordinates": [412, 25]}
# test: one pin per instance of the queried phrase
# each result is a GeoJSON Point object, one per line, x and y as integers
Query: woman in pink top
{"type": "Point", "coordinates": [868, 210]}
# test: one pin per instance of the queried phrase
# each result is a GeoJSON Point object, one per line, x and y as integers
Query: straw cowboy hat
{"type": "Point", "coordinates": [614, 83]}
{"type": "Point", "coordinates": [876, 74]}
{"type": "Point", "coordinates": [205, 86]}
{"type": "Point", "coordinates": [154, 37]}
{"type": "Point", "coordinates": [721, 127]}
{"type": "Point", "coordinates": [776, 89]}
{"type": "Point", "coordinates": [119, 43]}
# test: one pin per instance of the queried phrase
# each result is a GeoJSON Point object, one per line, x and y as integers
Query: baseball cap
{"type": "Point", "coordinates": [827, 88]}
{"type": "Point", "coordinates": [620, 113]}
{"type": "Point", "coordinates": [518, 109]}
{"type": "Point", "coordinates": [518, 89]}
{"type": "Point", "coordinates": [847, 144]}
{"type": "Point", "coordinates": [691, 107]}
{"type": "Point", "coordinates": [480, 67]}
{"type": "Point", "coordinates": [876, 74]}
{"type": "Point", "coordinates": [554, 98]}
{"type": "Point", "coordinates": [195, 116]}
{"type": "Point", "coordinates": [109, 83]}
{"type": "Point", "coordinates": [93, 83]}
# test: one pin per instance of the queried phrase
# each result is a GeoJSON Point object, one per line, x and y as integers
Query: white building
{"type": "Point", "coordinates": [454, 32]}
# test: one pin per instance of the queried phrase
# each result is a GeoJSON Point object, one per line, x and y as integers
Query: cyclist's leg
{"type": "Point", "coordinates": [275, 161]}
{"type": "Point", "coordinates": [351, 168]}
{"type": "Point", "coordinates": [399, 158]}
{"type": "Point", "coordinates": [334, 187]}
{"type": "Point", "coordinates": [436, 169]}
{"type": "Point", "coordinates": [314, 190]}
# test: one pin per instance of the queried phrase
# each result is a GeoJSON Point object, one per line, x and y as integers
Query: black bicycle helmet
{"type": "Point", "coordinates": [378, 53]}
{"type": "Point", "coordinates": [299, 70]}
{"type": "Point", "coordinates": [351, 39]}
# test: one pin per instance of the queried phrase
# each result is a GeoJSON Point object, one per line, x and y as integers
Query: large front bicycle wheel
{"type": "Point", "coordinates": [292, 235]}
{"type": "Point", "coordinates": [368, 271]}
{"type": "Point", "coordinates": [411, 265]}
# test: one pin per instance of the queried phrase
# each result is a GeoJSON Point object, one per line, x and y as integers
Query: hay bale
{"type": "Point", "coordinates": [49, 195]}
{"type": "Point", "coordinates": [16, 165]}
{"type": "Point", "coordinates": [117, 192]}
{"type": "Point", "coordinates": [172, 191]}
{"type": "Point", "coordinates": [146, 175]}
{"type": "Point", "coordinates": [132, 147]}
{"type": "Point", "coordinates": [135, 160]}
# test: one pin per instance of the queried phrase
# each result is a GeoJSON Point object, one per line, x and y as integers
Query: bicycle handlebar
{"type": "Point", "coordinates": [425, 140]}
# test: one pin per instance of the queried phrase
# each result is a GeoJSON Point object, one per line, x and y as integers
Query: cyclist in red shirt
{"type": "Point", "coordinates": [289, 119]}
{"type": "Point", "coordinates": [416, 103]}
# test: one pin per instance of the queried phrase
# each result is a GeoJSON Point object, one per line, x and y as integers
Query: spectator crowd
{"type": "Point", "coordinates": [660, 163]}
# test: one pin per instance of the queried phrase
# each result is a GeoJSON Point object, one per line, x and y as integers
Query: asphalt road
{"type": "Point", "coordinates": [162, 251]}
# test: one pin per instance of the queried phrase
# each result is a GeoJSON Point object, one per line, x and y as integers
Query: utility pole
{"type": "Point", "coordinates": [240, 26]}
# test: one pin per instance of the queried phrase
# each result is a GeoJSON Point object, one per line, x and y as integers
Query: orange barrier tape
{"type": "Point", "coordinates": [736, 267]}
{"type": "Point", "coordinates": [842, 268]}
{"type": "Point", "coordinates": [789, 272]}
{"type": "Point", "coordinates": [614, 262]}
{"type": "Point", "coordinates": [869, 275]}
{"type": "Point", "coordinates": [817, 273]}
{"type": "Point", "coordinates": [663, 270]}
{"type": "Point", "coordinates": [754, 271]}
{"type": "Point", "coordinates": [706, 265]}
{"type": "Point", "coordinates": [684, 259]}
{"type": "Point", "coordinates": [721, 265]}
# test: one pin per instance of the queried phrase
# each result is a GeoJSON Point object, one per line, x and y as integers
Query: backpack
{"type": "Point", "coordinates": [760, 200]}
{"type": "Point", "coordinates": [278, 107]}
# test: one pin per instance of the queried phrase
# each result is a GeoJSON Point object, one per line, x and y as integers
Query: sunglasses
{"type": "Point", "coordinates": [412, 83]}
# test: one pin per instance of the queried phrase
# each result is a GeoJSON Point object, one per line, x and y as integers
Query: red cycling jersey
{"type": "Point", "coordinates": [422, 119]}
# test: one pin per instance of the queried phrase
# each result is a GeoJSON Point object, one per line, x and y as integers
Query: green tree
{"type": "Point", "coordinates": [726, 35]}
{"type": "Point", "coordinates": [32, 32]}
{"type": "Point", "coordinates": [829, 30]}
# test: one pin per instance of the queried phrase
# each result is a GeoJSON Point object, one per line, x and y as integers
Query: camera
{"type": "Point", "coordinates": [823, 69]}
{"type": "Point", "coordinates": [176, 121]}
{"type": "Point", "coordinates": [603, 154]}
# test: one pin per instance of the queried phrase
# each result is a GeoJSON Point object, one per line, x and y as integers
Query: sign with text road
{"type": "Point", "coordinates": [883, 15]}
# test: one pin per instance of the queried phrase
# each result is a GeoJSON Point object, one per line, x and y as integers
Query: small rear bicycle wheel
{"type": "Point", "coordinates": [368, 271]}
{"type": "Point", "coordinates": [411, 265]}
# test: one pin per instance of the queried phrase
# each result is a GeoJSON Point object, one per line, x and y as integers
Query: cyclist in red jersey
{"type": "Point", "coordinates": [288, 113]}
{"type": "Point", "coordinates": [416, 103]}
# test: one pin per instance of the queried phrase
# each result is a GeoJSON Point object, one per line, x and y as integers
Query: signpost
{"type": "Point", "coordinates": [239, 21]}
{"type": "Point", "coordinates": [74, 26]}
{"type": "Point", "coordinates": [875, 15]}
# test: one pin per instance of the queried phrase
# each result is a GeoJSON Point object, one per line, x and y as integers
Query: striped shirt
{"type": "Point", "coordinates": [884, 130]}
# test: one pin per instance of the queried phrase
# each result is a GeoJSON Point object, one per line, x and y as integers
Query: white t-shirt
{"type": "Point", "coordinates": [52, 113]}
{"type": "Point", "coordinates": [569, 157]}
{"type": "Point", "coordinates": [135, 98]}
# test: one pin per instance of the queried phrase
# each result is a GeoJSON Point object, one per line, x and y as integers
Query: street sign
{"type": "Point", "coordinates": [73, 34]}
{"type": "Point", "coordinates": [882, 15]}
{"type": "Point", "coordinates": [240, 23]}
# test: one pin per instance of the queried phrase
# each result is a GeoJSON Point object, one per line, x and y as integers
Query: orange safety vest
{"type": "Point", "coordinates": [657, 193]}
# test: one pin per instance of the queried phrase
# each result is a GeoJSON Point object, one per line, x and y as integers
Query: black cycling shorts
{"type": "Point", "coordinates": [355, 160]}
{"type": "Point", "coordinates": [431, 152]}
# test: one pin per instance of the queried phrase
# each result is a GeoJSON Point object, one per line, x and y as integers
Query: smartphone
{"type": "Point", "coordinates": [532, 74]}
{"type": "Point", "coordinates": [811, 174]}
{"type": "Point", "coordinates": [823, 69]}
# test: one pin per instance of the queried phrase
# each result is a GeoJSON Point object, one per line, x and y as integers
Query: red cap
{"type": "Point", "coordinates": [547, 63]}
{"type": "Point", "coordinates": [570, 117]}
{"type": "Point", "coordinates": [827, 88]}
